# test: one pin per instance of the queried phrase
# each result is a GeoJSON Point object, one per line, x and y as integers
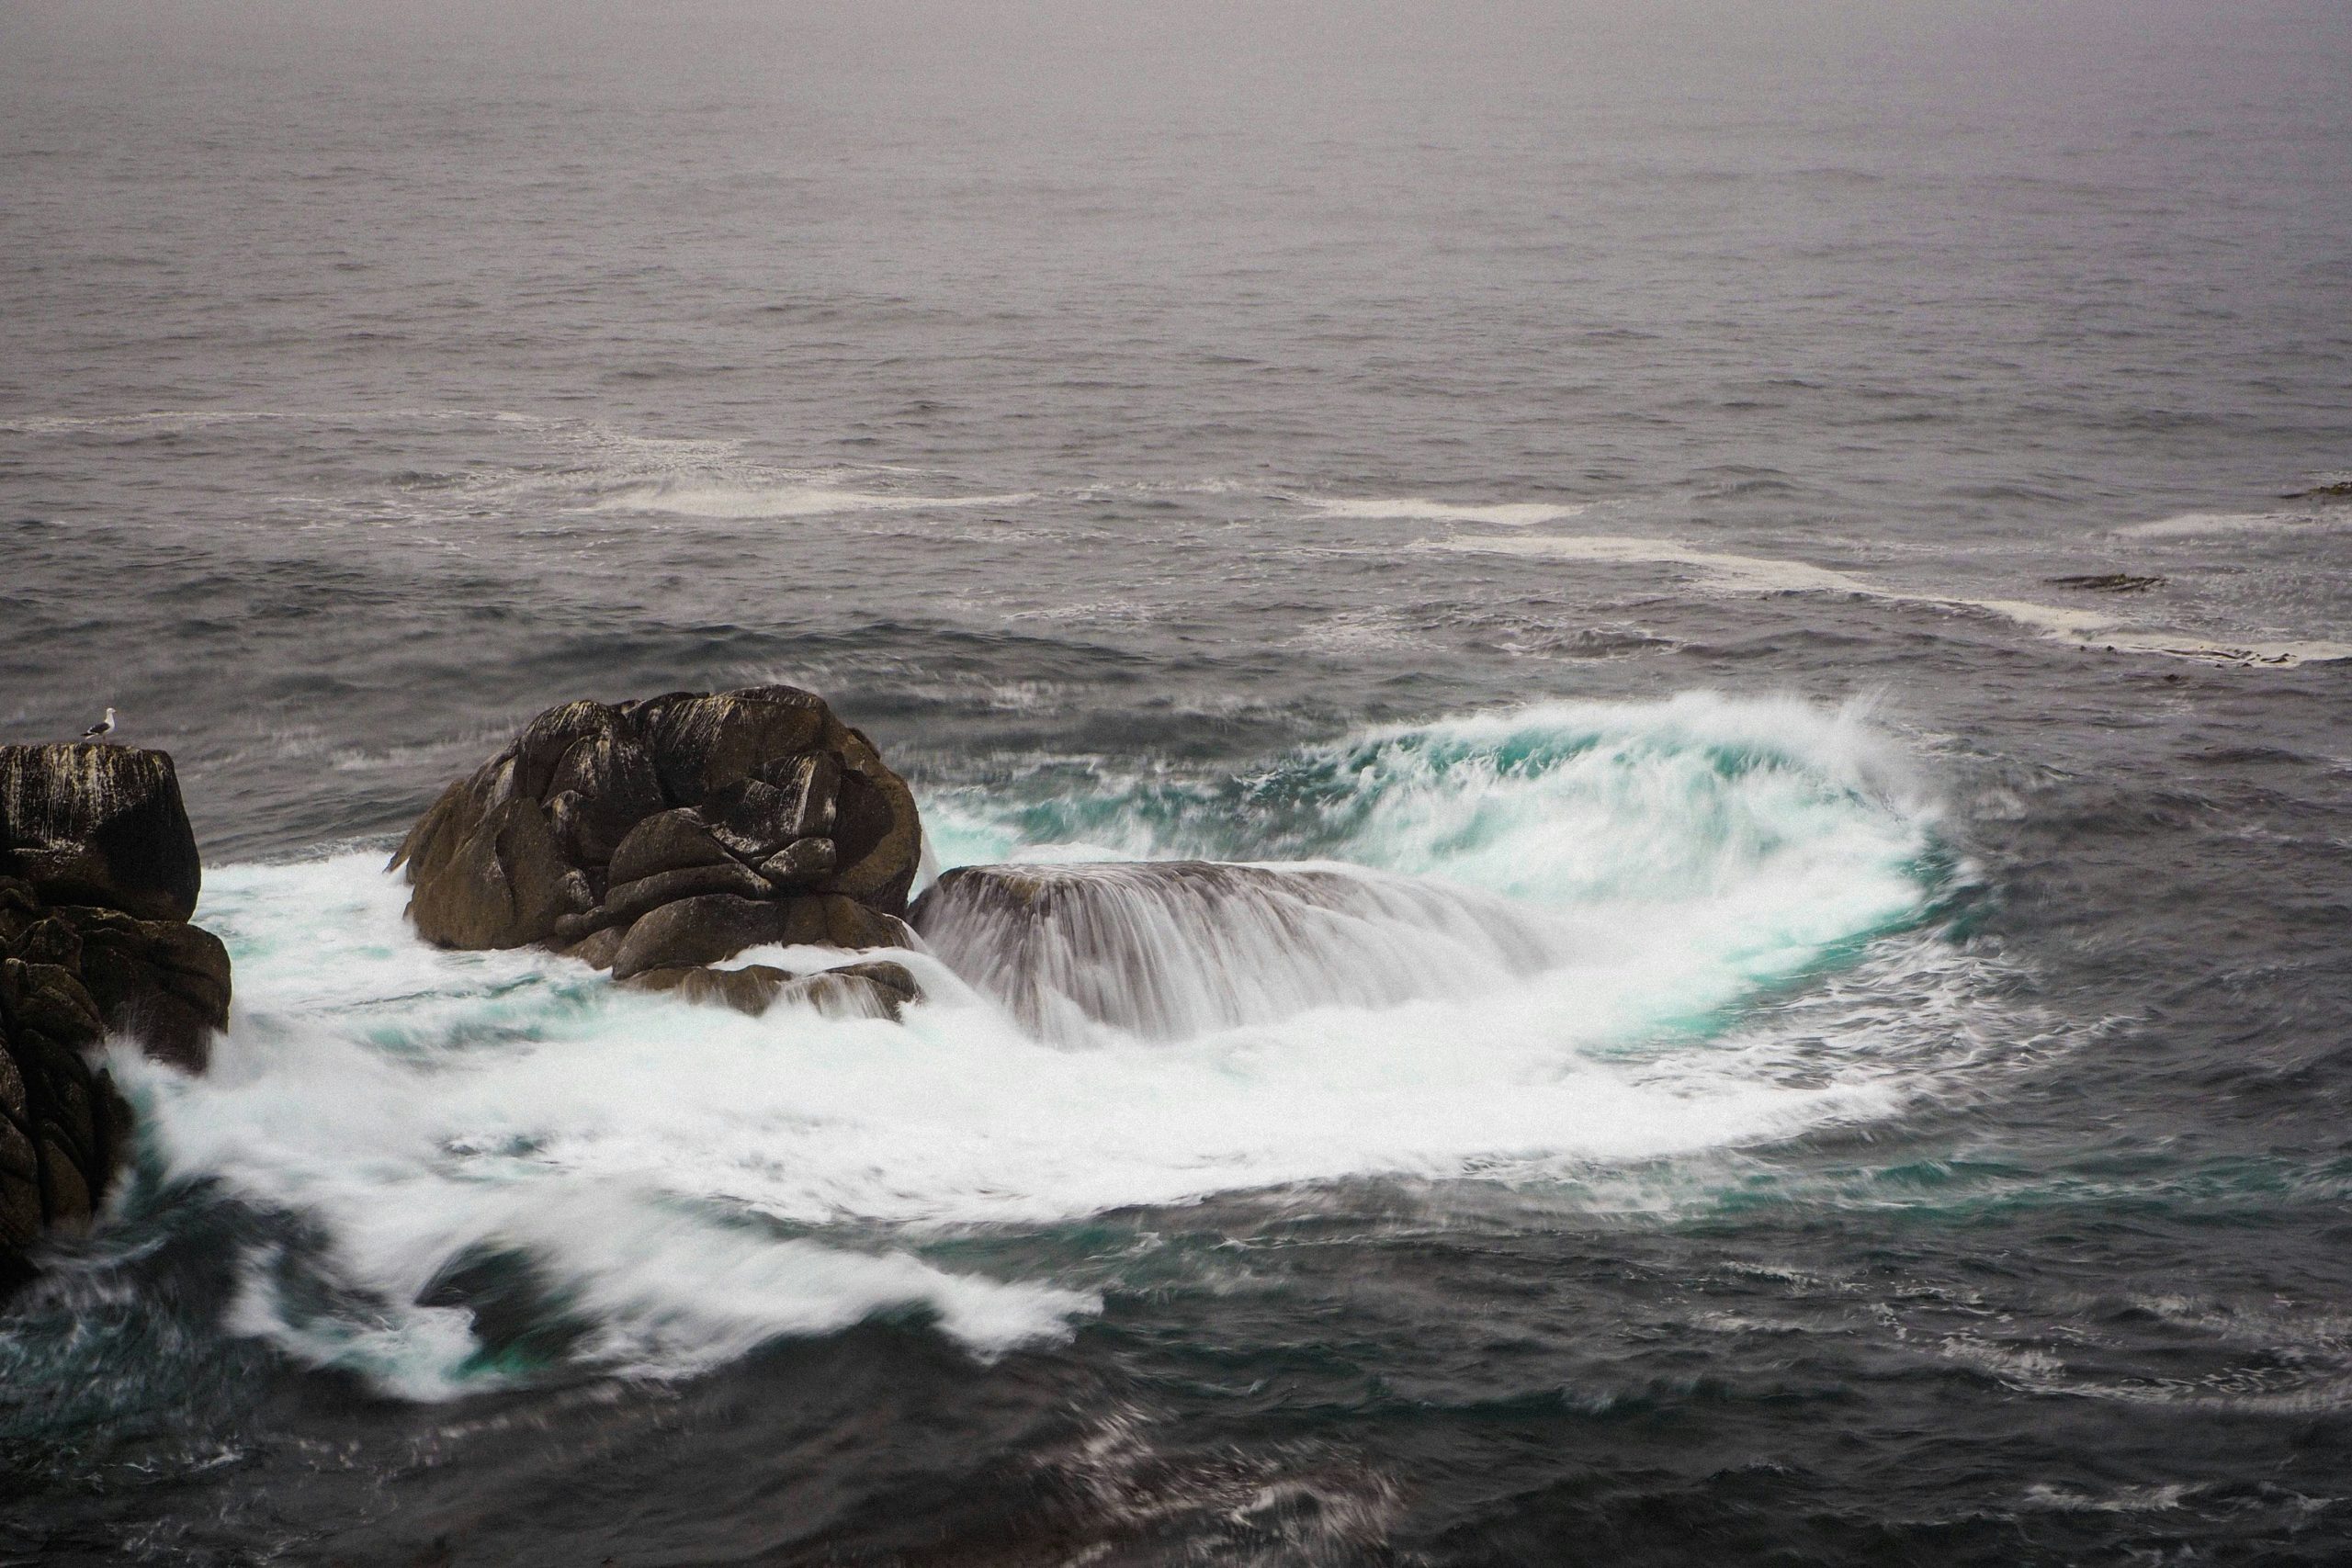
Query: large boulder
{"type": "Point", "coordinates": [1170, 949]}
{"type": "Point", "coordinates": [693, 824]}
{"type": "Point", "coordinates": [99, 825]}
{"type": "Point", "coordinates": [99, 873]}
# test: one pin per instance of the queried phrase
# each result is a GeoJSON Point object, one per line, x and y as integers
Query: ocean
{"type": "Point", "coordinates": [1838, 518]}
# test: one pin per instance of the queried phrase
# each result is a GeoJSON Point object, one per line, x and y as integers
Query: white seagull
{"type": "Point", "coordinates": [101, 729]}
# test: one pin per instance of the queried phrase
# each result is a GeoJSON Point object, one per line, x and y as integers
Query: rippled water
{"type": "Point", "coordinates": [1835, 515]}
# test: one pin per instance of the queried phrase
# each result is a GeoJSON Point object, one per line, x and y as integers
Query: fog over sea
{"type": "Point", "coordinates": [1838, 517]}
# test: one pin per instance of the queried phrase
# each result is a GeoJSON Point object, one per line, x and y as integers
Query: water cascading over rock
{"type": "Point", "coordinates": [1170, 949]}
{"type": "Point", "coordinates": [659, 836]}
{"type": "Point", "coordinates": [99, 876]}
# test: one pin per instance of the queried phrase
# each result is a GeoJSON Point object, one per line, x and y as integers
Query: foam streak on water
{"type": "Point", "coordinates": [2071, 624]}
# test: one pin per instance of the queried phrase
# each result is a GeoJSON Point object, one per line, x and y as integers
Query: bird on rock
{"type": "Point", "coordinates": [101, 729]}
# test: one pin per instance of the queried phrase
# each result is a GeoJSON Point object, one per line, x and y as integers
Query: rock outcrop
{"type": "Point", "coordinates": [98, 826]}
{"type": "Point", "coordinates": [99, 875]}
{"type": "Point", "coordinates": [1170, 949]}
{"type": "Point", "coordinates": [659, 835]}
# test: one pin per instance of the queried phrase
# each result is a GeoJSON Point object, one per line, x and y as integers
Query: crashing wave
{"type": "Point", "coordinates": [1524, 943]}
{"type": "Point", "coordinates": [1171, 949]}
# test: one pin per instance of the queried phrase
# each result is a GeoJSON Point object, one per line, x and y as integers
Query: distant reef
{"type": "Point", "coordinates": [99, 876]}
{"type": "Point", "coordinates": [655, 838]}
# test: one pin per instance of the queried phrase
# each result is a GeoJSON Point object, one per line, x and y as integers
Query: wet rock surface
{"type": "Point", "coordinates": [2108, 583]}
{"type": "Point", "coordinates": [715, 926]}
{"type": "Point", "coordinates": [659, 835]}
{"type": "Point", "coordinates": [99, 873]}
{"type": "Point", "coordinates": [875, 989]}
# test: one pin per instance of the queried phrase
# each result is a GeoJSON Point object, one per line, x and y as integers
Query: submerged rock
{"type": "Point", "coordinates": [98, 873]}
{"type": "Point", "coordinates": [675, 831]}
{"type": "Point", "coordinates": [2108, 583]}
{"type": "Point", "coordinates": [877, 989]}
{"type": "Point", "coordinates": [1171, 949]}
{"type": "Point", "coordinates": [748, 990]}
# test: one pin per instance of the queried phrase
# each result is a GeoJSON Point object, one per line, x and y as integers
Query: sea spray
{"type": "Point", "coordinates": [679, 1183]}
{"type": "Point", "coordinates": [1174, 948]}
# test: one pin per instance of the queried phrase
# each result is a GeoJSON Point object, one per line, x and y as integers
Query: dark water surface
{"type": "Point", "coordinates": [1831, 505]}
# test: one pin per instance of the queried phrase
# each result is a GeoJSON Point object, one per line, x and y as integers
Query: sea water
{"type": "Point", "coordinates": [1795, 556]}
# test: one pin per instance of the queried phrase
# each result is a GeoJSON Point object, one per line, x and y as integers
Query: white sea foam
{"type": "Point", "coordinates": [198, 419]}
{"type": "Point", "coordinates": [1504, 514]}
{"type": "Point", "coordinates": [779, 499]}
{"type": "Point", "coordinates": [2081, 626]}
{"type": "Point", "coordinates": [2120, 1500]}
{"type": "Point", "coordinates": [2199, 525]}
{"type": "Point", "coordinates": [1760, 573]}
{"type": "Point", "coordinates": [417, 1107]}
{"type": "Point", "coordinates": [600, 469]}
{"type": "Point", "coordinates": [1374, 629]}
{"type": "Point", "coordinates": [690, 1182]}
